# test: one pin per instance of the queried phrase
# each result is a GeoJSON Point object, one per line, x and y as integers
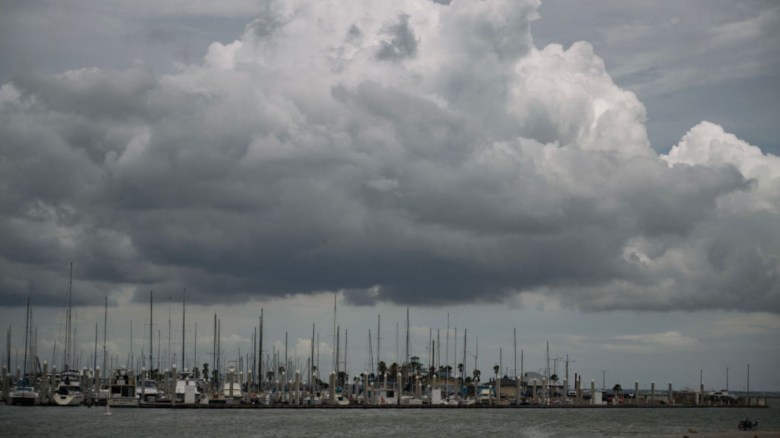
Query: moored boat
{"type": "Point", "coordinates": [24, 394]}
{"type": "Point", "coordinates": [121, 390]}
{"type": "Point", "coordinates": [68, 391]}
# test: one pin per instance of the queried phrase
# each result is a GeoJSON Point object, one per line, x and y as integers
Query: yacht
{"type": "Point", "coordinates": [231, 388]}
{"type": "Point", "coordinates": [187, 388]}
{"type": "Point", "coordinates": [68, 391]}
{"type": "Point", "coordinates": [146, 390]}
{"type": "Point", "coordinates": [121, 390]}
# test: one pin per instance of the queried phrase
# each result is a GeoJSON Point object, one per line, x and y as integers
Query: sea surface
{"type": "Point", "coordinates": [83, 422]}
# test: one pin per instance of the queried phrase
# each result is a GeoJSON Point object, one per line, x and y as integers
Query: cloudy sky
{"type": "Point", "coordinates": [603, 175]}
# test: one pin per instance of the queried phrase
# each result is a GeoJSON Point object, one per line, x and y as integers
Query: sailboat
{"type": "Point", "coordinates": [24, 393]}
{"type": "Point", "coordinates": [68, 391]}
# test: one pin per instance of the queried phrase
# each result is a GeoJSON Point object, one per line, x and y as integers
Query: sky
{"type": "Point", "coordinates": [601, 175]}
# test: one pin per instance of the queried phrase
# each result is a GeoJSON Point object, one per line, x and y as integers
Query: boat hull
{"type": "Point", "coordinates": [24, 399]}
{"type": "Point", "coordinates": [68, 399]}
{"type": "Point", "coordinates": [123, 402]}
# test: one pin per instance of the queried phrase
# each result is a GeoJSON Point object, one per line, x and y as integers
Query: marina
{"type": "Point", "coordinates": [260, 379]}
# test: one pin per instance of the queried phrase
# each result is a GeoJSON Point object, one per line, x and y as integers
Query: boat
{"type": "Point", "coordinates": [68, 391]}
{"type": "Point", "coordinates": [187, 390]}
{"type": "Point", "coordinates": [23, 394]}
{"type": "Point", "coordinates": [231, 388]}
{"type": "Point", "coordinates": [121, 391]}
{"type": "Point", "coordinates": [146, 390]}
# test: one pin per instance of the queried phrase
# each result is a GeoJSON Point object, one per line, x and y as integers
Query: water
{"type": "Point", "coordinates": [88, 422]}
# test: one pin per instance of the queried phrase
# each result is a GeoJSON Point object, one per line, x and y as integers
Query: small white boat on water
{"type": "Point", "coordinates": [68, 391]}
{"type": "Point", "coordinates": [23, 394]}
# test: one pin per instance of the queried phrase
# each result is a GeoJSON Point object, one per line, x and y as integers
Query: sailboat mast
{"type": "Point", "coordinates": [335, 351]}
{"type": "Point", "coordinates": [26, 333]}
{"type": "Point", "coordinates": [183, 316]}
{"type": "Point", "coordinates": [338, 344]}
{"type": "Point", "coordinates": [68, 340]}
{"type": "Point", "coordinates": [151, 331]}
{"type": "Point", "coordinates": [406, 361]}
{"type": "Point", "coordinates": [195, 347]}
{"type": "Point", "coordinates": [94, 357]}
{"type": "Point", "coordinates": [260, 360]}
{"type": "Point", "coordinates": [105, 324]}
{"type": "Point", "coordinates": [465, 335]}
{"type": "Point", "coordinates": [378, 337]}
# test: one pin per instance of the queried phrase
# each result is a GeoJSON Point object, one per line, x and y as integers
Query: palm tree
{"type": "Point", "coordinates": [477, 374]}
{"type": "Point", "coordinates": [617, 389]}
{"type": "Point", "coordinates": [382, 368]}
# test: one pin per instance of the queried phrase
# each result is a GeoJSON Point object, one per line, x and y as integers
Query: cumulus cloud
{"type": "Point", "coordinates": [413, 152]}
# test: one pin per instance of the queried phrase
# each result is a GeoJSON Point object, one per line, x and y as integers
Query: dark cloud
{"type": "Point", "coordinates": [478, 168]}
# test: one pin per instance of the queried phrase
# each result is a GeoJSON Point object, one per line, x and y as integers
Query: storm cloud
{"type": "Point", "coordinates": [413, 152]}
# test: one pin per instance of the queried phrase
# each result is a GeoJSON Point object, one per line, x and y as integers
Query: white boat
{"type": "Point", "coordinates": [23, 394]}
{"type": "Point", "coordinates": [68, 391]}
{"type": "Point", "coordinates": [187, 388]}
{"type": "Point", "coordinates": [122, 389]}
{"type": "Point", "coordinates": [485, 396]}
{"type": "Point", "coordinates": [231, 388]}
{"type": "Point", "coordinates": [146, 390]}
{"type": "Point", "coordinates": [341, 399]}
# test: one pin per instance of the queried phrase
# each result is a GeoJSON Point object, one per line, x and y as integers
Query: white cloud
{"type": "Point", "coordinates": [671, 339]}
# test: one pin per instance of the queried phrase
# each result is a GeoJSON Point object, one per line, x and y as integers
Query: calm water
{"type": "Point", "coordinates": [88, 422]}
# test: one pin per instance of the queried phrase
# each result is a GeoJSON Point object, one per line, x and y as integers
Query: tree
{"type": "Point", "coordinates": [477, 374]}
{"type": "Point", "coordinates": [496, 369]}
{"type": "Point", "coordinates": [382, 367]}
{"type": "Point", "coordinates": [617, 389]}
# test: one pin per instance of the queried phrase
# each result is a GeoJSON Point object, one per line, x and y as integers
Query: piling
{"type": "Point", "coordinates": [399, 388]}
{"type": "Point", "coordinates": [671, 394]}
{"type": "Point", "coordinates": [652, 393]}
{"type": "Point", "coordinates": [592, 391]}
{"type": "Point", "coordinates": [231, 374]}
{"type": "Point", "coordinates": [332, 387]}
{"type": "Point", "coordinates": [534, 397]}
{"type": "Point", "coordinates": [578, 385]}
{"type": "Point", "coordinates": [6, 392]}
{"type": "Point", "coordinates": [636, 392]}
{"type": "Point", "coordinates": [96, 392]}
{"type": "Point", "coordinates": [498, 390]}
{"type": "Point", "coordinates": [173, 383]}
{"type": "Point", "coordinates": [297, 387]}
{"type": "Point", "coordinates": [143, 384]}
{"type": "Point", "coordinates": [45, 383]}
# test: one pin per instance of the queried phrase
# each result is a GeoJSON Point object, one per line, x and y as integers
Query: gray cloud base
{"type": "Point", "coordinates": [419, 154]}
